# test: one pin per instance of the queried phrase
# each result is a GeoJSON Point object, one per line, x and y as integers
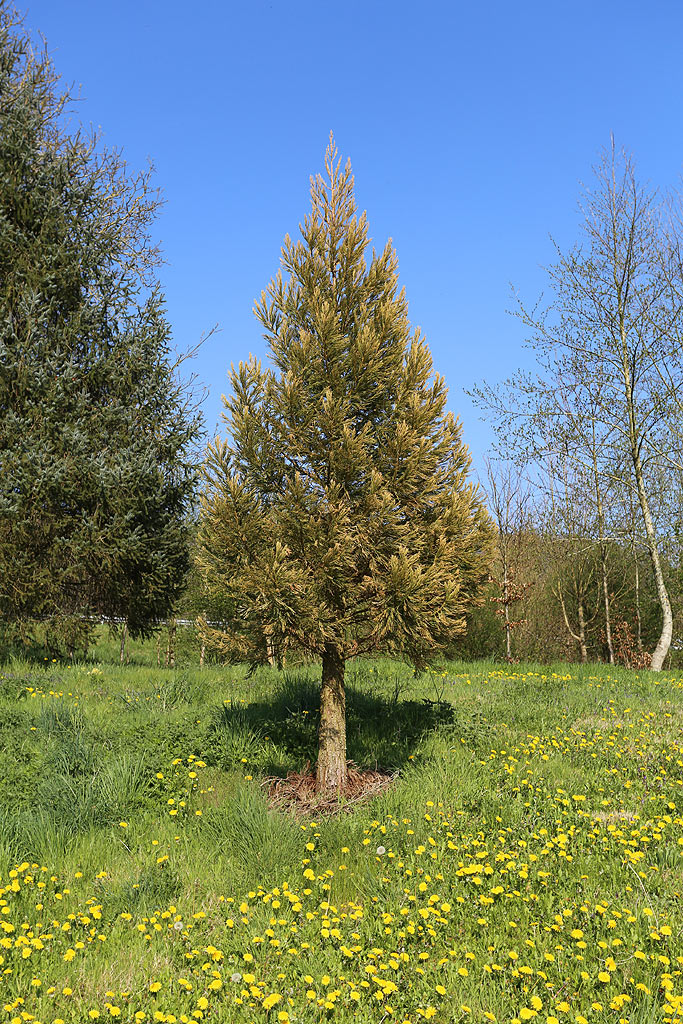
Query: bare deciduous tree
{"type": "Point", "coordinates": [609, 385]}
{"type": "Point", "coordinates": [508, 500]}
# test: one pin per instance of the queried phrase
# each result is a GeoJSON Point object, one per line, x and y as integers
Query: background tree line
{"type": "Point", "coordinates": [563, 589]}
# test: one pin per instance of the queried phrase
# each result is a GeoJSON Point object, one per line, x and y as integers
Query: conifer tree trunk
{"type": "Point", "coordinates": [170, 650]}
{"type": "Point", "coordinates": [124, 634]}
{"type": "Point", "coordinates": [331, 772]}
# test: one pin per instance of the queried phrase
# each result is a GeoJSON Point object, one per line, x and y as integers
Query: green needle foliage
{"type": "Point", "coordinates": [96, 429]}
{"type": "Point", "coordinates": [338, 516]}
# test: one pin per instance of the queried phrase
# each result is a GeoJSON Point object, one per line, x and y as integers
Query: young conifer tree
{"type": "Point", "coordinates": [338, 516]}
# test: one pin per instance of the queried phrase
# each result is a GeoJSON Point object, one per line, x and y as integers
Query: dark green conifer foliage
{"type": "Point", "coordinates": [96, 428]}
{"type": "Point", "coordinates": [338, 515]}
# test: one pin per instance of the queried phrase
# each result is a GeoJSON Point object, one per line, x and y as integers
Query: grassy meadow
{"type": "Point", "coordinates": [527, 863]}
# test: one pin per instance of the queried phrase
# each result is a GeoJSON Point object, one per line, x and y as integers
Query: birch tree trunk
{"type": "Point", "coordinates": [664, 643]}
{"type": "Point", "coordinates": [639, 624]}
{"type": "Point", "coordinates": [662, 649]}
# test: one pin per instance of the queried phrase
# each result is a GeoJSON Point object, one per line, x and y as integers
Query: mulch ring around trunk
{"type": "Point", "coordinates": [297, 792]}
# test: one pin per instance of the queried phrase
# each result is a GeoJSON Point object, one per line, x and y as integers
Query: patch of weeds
{"type": "Point", "coordinates": [80, 802]}
{"type": "Point", "coordinates": [232, 739]}
{"type": "Point", "coordinates": [58, 719]}
{"type": "Point", "coordinates": [28, 835]}
{"type": "Point", "coordinates": [180, 688]}
{"type": "Point", "coordinates": [260, 841]}
{"type": "Point", "coordinates": [71, 754]}
{"type": "Point", "coordinates": [132, 700]}
{"type": "Point", "coordinates": [156, 886]}
{"type": "Point", "coordinates": [260, 734]}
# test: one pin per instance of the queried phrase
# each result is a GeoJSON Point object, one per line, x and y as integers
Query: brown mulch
{"type": "Point", "coordinates": [297, 792]}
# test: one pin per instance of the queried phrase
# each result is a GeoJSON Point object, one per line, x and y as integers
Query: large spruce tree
{"type": "Point", "coordinates": [96, 427]}
{"type": "Point", "coordinates": [338, 516]}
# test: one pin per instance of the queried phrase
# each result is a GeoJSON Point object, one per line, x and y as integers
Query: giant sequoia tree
{"type": "Point", "coordinates": [96, 428]}
{"type": "Point", "coordinates": [337, 516]}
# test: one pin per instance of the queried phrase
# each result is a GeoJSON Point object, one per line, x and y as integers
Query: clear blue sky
{"type": "Point", "coordinates": [469, 128]}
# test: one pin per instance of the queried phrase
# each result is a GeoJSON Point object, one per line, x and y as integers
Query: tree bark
{"type": "Point", "coordinates": [583, 650]}
{"type": "Point", "coordinates": [639, 627]}
{"type": "Point", "coordinates": [506, 602]}
{"type": "Point", "coordinates": [331, 774]}
{"type": "Point", "coordinates": [603, 551]}
{"type": "Point", "coordinates": [606, 600]}
{"type": "Point", "coordinates": [635, 438]}
{"type": "Point", "coordinates": [662, 649]}
{"type": "Point", "coordinates": [124, 634]}
{"type": "Point", "coordinates": [170, 650]}
{"type": "Point", "coordinates": [580, 637]}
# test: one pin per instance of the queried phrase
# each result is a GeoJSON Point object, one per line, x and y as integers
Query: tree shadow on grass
{"type": "Point", "coordinates": [280, 734]}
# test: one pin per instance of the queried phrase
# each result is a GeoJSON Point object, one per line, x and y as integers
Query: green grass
{"type": "Point", "coordinates": [527, 864]}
